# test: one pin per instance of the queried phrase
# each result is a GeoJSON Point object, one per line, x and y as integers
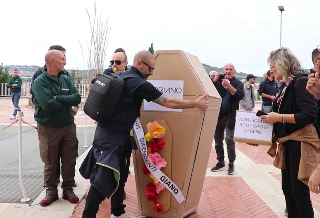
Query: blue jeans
{"type": "Point", "coordinates": [15, 97]}
{"type": "Point", "coordinates": [267, 108]}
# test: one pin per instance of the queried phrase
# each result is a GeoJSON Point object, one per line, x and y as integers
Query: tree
{"type": "Point", "coordinates": [73, 76]}
{"type": "Point", "coordinates": [4, 74]}
{"type": "Point", "coordinates": [97, 45]}
{"type": "Point", "coordinates": [151, 49]}
{"type": "Point", "coordinates": [4, 77]}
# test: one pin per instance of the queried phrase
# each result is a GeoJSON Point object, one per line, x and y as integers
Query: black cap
{"type": "Point", "coordinates": [249, 76]}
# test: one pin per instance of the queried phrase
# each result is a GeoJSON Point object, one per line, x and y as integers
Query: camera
{"type": "Point", "coordinates": [222, 76]}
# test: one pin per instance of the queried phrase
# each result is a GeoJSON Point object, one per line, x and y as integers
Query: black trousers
{"type": "Point", "coordinates": [95, 197]}
{"type": "Point", "coordinates": [296, 193]}
{"type": "Point", "coordinates": [222, 125]}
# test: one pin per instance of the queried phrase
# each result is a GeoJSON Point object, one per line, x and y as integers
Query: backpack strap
{"type": "Point", "coordinates": [124, 78]}
{"type": "Point", "coordinates": [132, 75]}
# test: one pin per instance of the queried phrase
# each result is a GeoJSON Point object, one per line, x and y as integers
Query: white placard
{"type": "Point", "coordinates": [249, 126]}
{"type": "Point", "coordinates": [171, 88]}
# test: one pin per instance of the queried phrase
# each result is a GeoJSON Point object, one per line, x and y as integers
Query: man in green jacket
{"type": "Point", "coordinates": [55, 94]}
{"type": "Point", "coordinates": [15, 85]}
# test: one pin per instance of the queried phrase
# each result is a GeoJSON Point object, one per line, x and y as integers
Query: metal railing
{"type": "Point", "coordinates": [26, 87]}
{"type": "Point", "coordinates": [82, 88]}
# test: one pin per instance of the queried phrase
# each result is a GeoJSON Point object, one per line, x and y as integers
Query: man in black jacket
{"type": "Point", "coordinates": [106, 162]}
{"type": "Point", "coordinates": [316, 68]}
{"type": "Point", "coordinates": [231, 92]}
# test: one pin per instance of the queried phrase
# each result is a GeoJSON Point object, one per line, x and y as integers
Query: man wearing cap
{"type": "Point", "coordinates": [247, 103]}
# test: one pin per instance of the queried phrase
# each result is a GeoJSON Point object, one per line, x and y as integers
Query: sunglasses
{"type": "Point", "coordinates": [117, 62]}
{"type": "Point", "coordinates": [150, 68]}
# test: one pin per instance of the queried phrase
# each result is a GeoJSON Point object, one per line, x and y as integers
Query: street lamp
{"type": "Point", "coordinates": [281, 8]}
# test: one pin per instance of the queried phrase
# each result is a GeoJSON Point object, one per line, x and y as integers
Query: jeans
{"type": "Point", "coordinates": [267, 108]}
{"type": "Point", "coordinates": [222, 125]}
{"type": "Point", "coordinates": [297, 194]}
{"type": "Point", "coordinates": [15, 97]}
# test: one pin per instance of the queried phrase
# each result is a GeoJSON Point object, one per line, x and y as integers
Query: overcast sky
{"type": "Point", "coordinates": [242, 32]}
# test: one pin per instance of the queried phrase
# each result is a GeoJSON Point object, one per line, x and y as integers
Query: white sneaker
{"type": "Point", "coordinates": [125, 215]}
{"type": "Point", "coordinates": [13, 117]}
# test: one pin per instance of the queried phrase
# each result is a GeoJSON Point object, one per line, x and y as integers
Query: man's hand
{"type": "Point", "coordinates": [202, 103]}
{"type": "Point", "coordinates": [55, 98]}
{"type": "Point", "coordinates": [216, 77]}
{"type": "Point", "coordinates": [314, 181]}
{"type": "Point", "coordinates": [14, 85]}
{"type": "Point", "coordinates": [225, 83]}
{"type": "Point", "coordinates": [313, 85]}
{"type": "Point", "coordinates": [272, 97]}
{"type": "Point", "coordinates": [75, 110]}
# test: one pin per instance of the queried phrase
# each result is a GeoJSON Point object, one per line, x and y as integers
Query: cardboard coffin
{"type": "Point", "coordinates": [189, 136]}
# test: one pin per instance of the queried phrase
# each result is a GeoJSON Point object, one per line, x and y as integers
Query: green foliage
{"type": "Point", "coordinates": [306, 71]}
{"type": "Point", "coordinates": [151, 49]}
{"type": "Point", "coordinates": [73, 76]}
{"type": "Point", "coordinates": [4, 74]}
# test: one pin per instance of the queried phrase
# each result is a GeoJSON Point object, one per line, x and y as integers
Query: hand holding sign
{"type": "Point", "coordinates": [252, 130]}
{"type": "Point", "coordinates": [271, 118]}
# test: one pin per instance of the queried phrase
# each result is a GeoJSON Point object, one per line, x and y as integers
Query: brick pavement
{"type": "Point", "coordinates": [221, 197]}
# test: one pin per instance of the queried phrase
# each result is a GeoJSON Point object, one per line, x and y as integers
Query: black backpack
{"type": "Point", "coordinates": [104, 96]}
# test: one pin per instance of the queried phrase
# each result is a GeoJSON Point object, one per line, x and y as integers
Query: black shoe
{"type": "Point", "coordinates": [231, 169]}
{"type": "Point", "coordinates": [69, 195]}
{"type": "Point", "coordinates": [49, 199]}
{"type": "Point", "coordinates": [219, 166]}
{"type": "Point", "coordinates": [124, 196]}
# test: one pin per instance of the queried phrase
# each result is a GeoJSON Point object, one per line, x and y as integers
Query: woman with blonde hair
{"type": "Point", "coordinates": [294, 112]}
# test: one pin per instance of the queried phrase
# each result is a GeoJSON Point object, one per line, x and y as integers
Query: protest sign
{"type": "Point", "coordinates": [170, 88]}
{"type": "Point", "coordinates": [251, 129]}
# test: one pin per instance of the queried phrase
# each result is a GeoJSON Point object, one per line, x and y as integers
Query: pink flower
{"type": "Point", "coordinates": [157, 160]}
{"type": "Point", "coordinates": [159, 187]}
{"type": "Point", "coordinates": [155, 130]}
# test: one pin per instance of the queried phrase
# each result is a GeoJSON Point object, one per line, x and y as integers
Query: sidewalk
{"type": "Point", "coordinates": [253, 191]}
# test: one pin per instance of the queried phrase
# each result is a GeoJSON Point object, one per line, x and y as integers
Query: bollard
{"type": "Point", "coordinates": [24, 199]}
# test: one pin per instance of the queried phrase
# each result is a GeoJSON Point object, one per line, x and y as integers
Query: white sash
{"type": "Point", "coordinates": [161, 177]}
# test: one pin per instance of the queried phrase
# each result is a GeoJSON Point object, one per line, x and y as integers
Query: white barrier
{"type": "Point", "coordinates": [24, 199]}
